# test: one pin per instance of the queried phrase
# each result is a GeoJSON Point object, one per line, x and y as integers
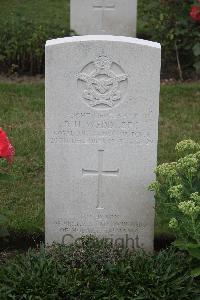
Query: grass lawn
{"type": "Point", "coordinates": [22, 192]}
{"type": "Point", "coordinates": [45, 11]}
{"type": "Point", "coordinates": [22, 117]}
{"type": "Point", "coordinates": [38, 11]}
{"type": "Point", "coordinates": [93, 269]}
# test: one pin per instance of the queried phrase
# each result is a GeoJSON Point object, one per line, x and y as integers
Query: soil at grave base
{"type": "Point", "coordinates": [40, 79]}
{"type": "Point", "coordinates": [21, 79]}
{"type": "Point", "coordinates": [20, 242]}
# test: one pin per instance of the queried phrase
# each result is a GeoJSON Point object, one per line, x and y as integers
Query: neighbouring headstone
{"type": "Point", "coordinates": [102, 106]}
{"type": "Point", "coordinates": [117, 17]}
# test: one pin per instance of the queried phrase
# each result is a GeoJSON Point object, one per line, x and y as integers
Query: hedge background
{"type": "Point", "coordinates": [26, 25]}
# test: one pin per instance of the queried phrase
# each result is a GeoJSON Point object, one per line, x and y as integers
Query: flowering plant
{"type": "Point", "coordinates": [175, 24]}
{"type": "Point", "coordinates": [177, 194]}
{"type": "Point", "coordinates": [7, 153]}
{"type": "Point", "coordinates": [195, 12]}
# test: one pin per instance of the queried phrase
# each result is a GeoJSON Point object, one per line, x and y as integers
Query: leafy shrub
{"type": "Point", "coordinates": [7, 153]}
{"type": "Point", "coordinates": [22, 44]}
{"type": "Point", "coordinates": [170, 23]}
{"type": "Point", "coordinates": [166, 21]}
{"type": "Point", "coordinates": [92, 269]}
{"type": "Point", "coordinates": [3, 227]}
{"type": "Point", "coordinates": [177, 194]}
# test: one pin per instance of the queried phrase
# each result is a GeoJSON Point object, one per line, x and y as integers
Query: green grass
{"type": "Point", "coordinates": [43, 11]}
{"type": "Point", "coordinates": [22, 117]}
{"type": "Point", "coordinates": [179, 117]}
{"type": "Point", "coordinates": [92, 269]}
{"type": "Point", "coordinates": [22, 192]}
{"type": "Point", "coordinates": [38, 11]}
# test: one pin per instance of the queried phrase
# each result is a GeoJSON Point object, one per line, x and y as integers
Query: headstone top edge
{"type": "Point", "coordinates": [111, 38]}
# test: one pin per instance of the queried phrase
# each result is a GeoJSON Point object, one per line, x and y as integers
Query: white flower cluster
{"type": "Point", "coordinates": [189, 164]}
{"type": "Point", "coordinates": [167, 170]}
{"type": "Point", "coordinates": [189, 208]}
{"type": "Point", "coordinates": [173, 191]}
{"type": "Point", "coordinates": [197, 155]}
{"type": "Point", "coordinates": [195, 197]}
{"type": "Point", "coordinates": [154, 186]}
{"type": "Point", "coordinates": [173, 223]}
{"type": "Point", "coordinates": [187, 146]}
{"type": "Point", "coordinates": [176, 192]}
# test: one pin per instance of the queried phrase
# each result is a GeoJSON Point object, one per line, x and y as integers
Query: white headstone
{"type": "Point", "coordinates": [102, 106]}
{"type": "Point", "coordinates": [117, 17]}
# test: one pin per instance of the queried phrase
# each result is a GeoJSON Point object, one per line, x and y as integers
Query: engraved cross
{"type": "Point", "coordinates": [103, 6]}
{"type": "Point", "coordinates": [100, 173]}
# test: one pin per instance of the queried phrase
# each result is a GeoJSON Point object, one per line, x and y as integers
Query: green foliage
{"type": "Point", "coordinates": [3, 219]}
{"type": "Point", "coordinates": [92, 269]}
{"type": "Point", "coordinates": [26, 25]}
{"type": "Point", "coordinates": [3, 227]}
{"type": "Point", "coordinates": [22, 190]}
{"type": "Point", "coordinates": [169, 22]}
{"type": "Point", "coordinates": [22, 44]}
{"type": "Point", "coordinates": [178, 118]}
{"type": "Point", "coordinates": [177, 194]}
{"type": "Point", "coordinates": [194, 251]}
{"type": "Point", "coordinates": [22, 117]}
{"type": "Point", "coordinates": [24, 28]}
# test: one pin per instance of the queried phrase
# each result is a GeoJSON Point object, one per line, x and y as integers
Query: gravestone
{"type": "Point", "coordinates": [115, 17]}
{"type": "Point", "coordinates": [102, 106]}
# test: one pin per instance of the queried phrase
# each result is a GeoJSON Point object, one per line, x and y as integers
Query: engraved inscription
{"type": "Point", "coordinates": [103, 6]}
{"type": "Point", "coordinates": [110, 226]}
{"type": "Point", "coordinates": [100, 173]}
{"type": "Point", "coordinates": [102, 83]}
{"type": "Point", "coordinates": [105, 128]}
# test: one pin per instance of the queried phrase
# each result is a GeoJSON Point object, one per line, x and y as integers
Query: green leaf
{"type": "Point", "coordinates": [2, 57]}
{"type": "Point", "coordinates": [194, 252]}
{"type": "Point", "coordinates": [197, 66]}
{"type": "Point", "coordinates": [7, 177]}
{"type": "Point", "coordinates": [196, 49]}
{"type": "Point", "coordinates": [196, 272]}
{"type": "Point", "coordinates": [193, 246]}
{"type": "Point", "coordinates": [3, 232]}
{"type": "Point", "coordinates": [185, 246]}
{"type": "Point", "coordinates": [3, 220]}
{"type": "Point", "coordinates": [182, 245]}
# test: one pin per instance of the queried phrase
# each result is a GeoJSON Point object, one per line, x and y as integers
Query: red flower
{"type": "Point", "coordinates": [195, 13]}
{"type": "Point", "coordinates": [7, 151]}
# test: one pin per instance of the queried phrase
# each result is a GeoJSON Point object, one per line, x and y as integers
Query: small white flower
{"type": "Point", "coordinates": [196, 197]}
{"type": "Point", "coordinates": [176, 191]}
{"type": "Point", "coordinates": [154, 186]}
{"type": "Point", "coordinates": [188, 164]}
{"type": "Point", "coordinates": [166, 169]}
{"type": "Point", "coordinates": [187, 146]}
{"type": "Point", "coordinates": [173, 223]}
{"type": "Point", "coordinates": [188, 208]}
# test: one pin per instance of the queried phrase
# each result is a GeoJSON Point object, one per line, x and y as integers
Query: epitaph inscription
{"type": "Point", "coordinates": [100, 173]}
{"type": "Point", "coordinates": [129, 232]}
